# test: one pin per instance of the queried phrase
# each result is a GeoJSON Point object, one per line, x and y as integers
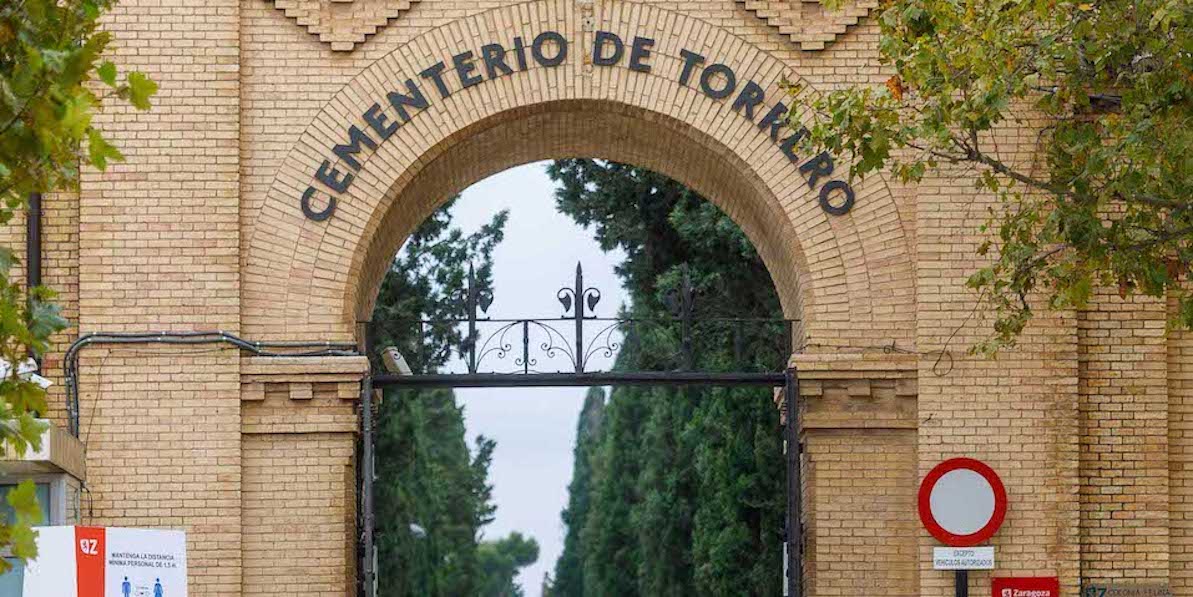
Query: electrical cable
{"type": "Point", "coordinates": [267, 349]}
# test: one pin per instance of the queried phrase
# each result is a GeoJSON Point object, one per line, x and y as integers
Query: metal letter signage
{"type": "Point", "coordinates": [718, 81]}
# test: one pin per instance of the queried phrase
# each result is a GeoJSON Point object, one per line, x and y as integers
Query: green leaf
{"type": "Point", "coordinates": [8, 258]}
{"type": "Point", "coordinates": [90, 10]}
{"type": "Point", "coordinates": [23, 500]}
{"type": "Point", "coordinates": [140, 89]}
{"type": "Point", "coordinates": [100, 151]}
{"type": "Point", "coordinates": [107, 73]}
{"type": "Point", "coordinates": [76, 116]}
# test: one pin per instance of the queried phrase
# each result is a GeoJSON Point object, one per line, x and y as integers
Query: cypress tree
{"type": "Point", "coordinates": [432, 492]}
{"type": "Point", "coordinates": [611, 550]}
{"type": "Point", "coordinates": [686, 492]}
{"type": "Point", "coordinates": [569, 568]}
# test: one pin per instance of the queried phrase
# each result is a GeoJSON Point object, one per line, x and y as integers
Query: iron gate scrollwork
{"type": "Point", "coordinates": [572, 341]}
{"type": "Point", "coordinates": [560, 351]}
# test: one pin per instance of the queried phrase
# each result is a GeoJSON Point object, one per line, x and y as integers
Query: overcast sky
{"type": "Point", "coordinates": [535, 428]}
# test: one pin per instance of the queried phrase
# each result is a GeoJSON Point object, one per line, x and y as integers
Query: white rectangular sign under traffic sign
{"type": "Point", "coordinates": [963, 558]}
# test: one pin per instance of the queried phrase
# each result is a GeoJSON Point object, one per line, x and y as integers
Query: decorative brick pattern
{"type": "Point", "coordinates": [673, 129]}
{"type": "Point", "coordinates": [807, 22]}
{"type": "Point", "coordinates": [343, 24]}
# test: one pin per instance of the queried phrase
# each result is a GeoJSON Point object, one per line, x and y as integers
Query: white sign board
{"type": "Point", "coordinates": [963, 558]}
{"type": "Point", "coordinates": [107, 562]}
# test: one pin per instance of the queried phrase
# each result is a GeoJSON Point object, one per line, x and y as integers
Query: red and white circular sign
{"type": "Point", "coordinates": [962, 502]}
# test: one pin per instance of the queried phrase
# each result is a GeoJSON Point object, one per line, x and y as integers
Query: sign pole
{"type": "Point", "coordinates": [961, 583]}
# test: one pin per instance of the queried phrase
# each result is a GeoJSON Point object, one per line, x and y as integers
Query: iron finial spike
{"type": "Point", "coordinates": [579, 318]}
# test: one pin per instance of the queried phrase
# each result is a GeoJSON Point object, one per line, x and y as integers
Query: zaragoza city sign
{"type": "Point", "coordinates": [549, 49]}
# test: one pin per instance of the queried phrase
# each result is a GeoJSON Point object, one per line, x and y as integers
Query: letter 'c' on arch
{"type": "Point", "coordinates": [317, 216]}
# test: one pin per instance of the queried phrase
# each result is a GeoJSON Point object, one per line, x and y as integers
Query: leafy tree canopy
{"type": "Point", "coordinates": [50, 72]}
{"type": "Point", "coordinates": [1109, 86]}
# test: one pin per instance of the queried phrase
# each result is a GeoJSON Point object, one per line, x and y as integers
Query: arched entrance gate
{"type": "Point", "coordinates": [296, 144]}
{"type": "Point", "coordinates": [639, 84]}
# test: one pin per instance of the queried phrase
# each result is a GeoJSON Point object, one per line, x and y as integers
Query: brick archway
{"type": "Point", "coordinates": [849, 278]}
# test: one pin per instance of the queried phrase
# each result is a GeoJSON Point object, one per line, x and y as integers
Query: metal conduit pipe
{"type": "Point", "coordinates": [33, 241]}
{"type": "Point", "coordinates": [33, 249]}
{"type": "Point", "coordinates": [268, 349]}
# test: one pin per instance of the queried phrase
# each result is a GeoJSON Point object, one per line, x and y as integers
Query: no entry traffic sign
{"type": "Point", "coordinates": [962, 502]}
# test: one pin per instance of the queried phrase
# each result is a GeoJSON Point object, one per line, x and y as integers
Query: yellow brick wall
{"type": "Point", "coordinates": [158, 243]}
{"type": "Point", "coordinates": [1017, 413]}
{"type": "Point", "coordinates": [60, 273]}
{"type": "Point", "coordinates": [1180, 458]}
{"type": "Point", "coordinates": [162, 434]}
{"type": "Point", "coordinates": [1089, 420]}
{"type": "Point", "coordinates": [299, 508]}
{"type": "Point", "coordinates": [860, 488]}
{"type": "Point", "coordinates": [1124, 441]}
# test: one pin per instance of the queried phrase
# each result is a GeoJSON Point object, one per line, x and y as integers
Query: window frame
{"type": "Point", "coordinates": [55, 511]}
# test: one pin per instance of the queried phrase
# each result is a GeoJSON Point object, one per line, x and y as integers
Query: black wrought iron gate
{"type": "Point", "coordinates": [516, 337]}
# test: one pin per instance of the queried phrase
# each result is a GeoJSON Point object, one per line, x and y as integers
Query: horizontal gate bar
{"type": "Point", "coordinates": [610, 378]}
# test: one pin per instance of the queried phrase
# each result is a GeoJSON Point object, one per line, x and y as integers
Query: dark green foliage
{"type": "Point", "coordinates": [500, 562]}
{"type": "Point", "coordinates": [427, 478]}
{"type": "Point", "coordinates": [432, 494]}
{"type": "Point", "coordinates": [609, 534]}
{"type": "Point", "coordinates": [684, 488]}
{"type": "Point", "coordinates": [569, 569]}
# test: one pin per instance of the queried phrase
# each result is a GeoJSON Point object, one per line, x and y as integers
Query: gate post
{"type": "Point", "coordinates": [793, 449]}
{"type": "Point", "coordinates": [300, 419]}
{"type": "Point", "coordinates": [855, 423]}
{"type": "Point", "coordinates": [368, 575]}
